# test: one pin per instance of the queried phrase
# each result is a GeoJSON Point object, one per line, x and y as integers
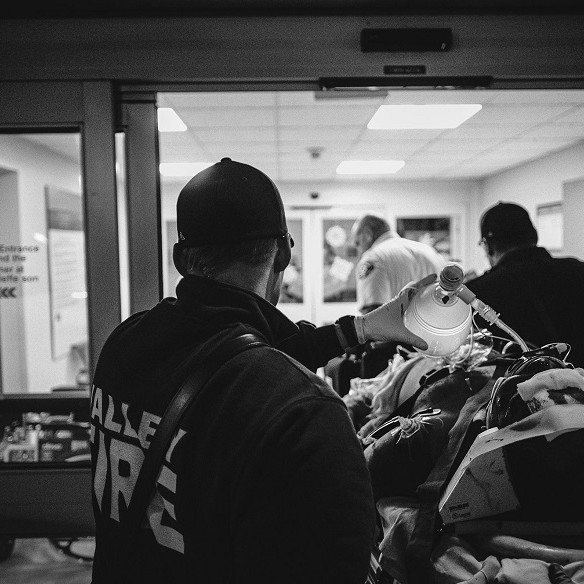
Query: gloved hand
{"type": "Point", "coordinates": [386, 322]}
{"type": "Point", "coordinates": [557, 575]}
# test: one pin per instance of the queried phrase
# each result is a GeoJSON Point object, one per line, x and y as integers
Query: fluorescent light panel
{"type": "Point", "coordinates": [169, 121]}
{"type": "Point", "coordinates": [370, 166]}
{"type": "Point", "coordinates": [422, 117]}
{"type": "Point", "coordinates": [182, 168]}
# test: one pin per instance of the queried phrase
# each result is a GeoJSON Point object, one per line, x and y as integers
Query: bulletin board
{"type": "Point", "coordinates": [339, 260]}
{"type": "Point", "coordinates": [550, 226]}
{"type": "Point", "coordinates": [436, 231]}
{"type": "Point", "coordinates": [67, 270]}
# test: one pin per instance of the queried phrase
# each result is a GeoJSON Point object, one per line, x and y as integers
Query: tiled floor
{"type": "Point", "coordinates": [38, 561]}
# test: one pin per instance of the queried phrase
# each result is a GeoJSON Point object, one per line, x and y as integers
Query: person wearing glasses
{"type": "Point", "coordinates": [537, 295]}
{"type": "Point", "coordinates": [264, 480]}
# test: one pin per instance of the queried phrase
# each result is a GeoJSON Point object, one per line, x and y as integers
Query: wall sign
{"type": "Point", "coordinates": [67, 281]}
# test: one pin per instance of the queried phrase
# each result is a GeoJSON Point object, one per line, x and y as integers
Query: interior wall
{"type": "Point", "coordinates": [457, 198]}
{"type": "Point", "coordinates": [35, 167]}
{"type": "Point", "coordinates": [413, 199]}
{"type": "Point", "coordinates": [535, 183]}
{"type": "Point", "coordinates": [573, 207]}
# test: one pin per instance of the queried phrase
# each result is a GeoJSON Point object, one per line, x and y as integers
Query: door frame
{"type": "Point", "coordinates": [85, 107]}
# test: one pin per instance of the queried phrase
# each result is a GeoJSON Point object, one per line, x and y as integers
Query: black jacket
{"type": "Point", "coordinates": [538, 296]}
{"type": "Point", "coordinates": [266, 481]}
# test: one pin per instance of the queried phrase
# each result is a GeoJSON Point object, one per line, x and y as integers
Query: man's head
{"type": "Point", "coordinates": [506, 226]}
{"type": "Point", "coordinates": [366, 230]}
{"type": "Point", "coordinates": [232, 226]}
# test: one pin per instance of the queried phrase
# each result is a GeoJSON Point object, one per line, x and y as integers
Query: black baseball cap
{"type": "Point", "coordinates": [229, 202]}
{"type": "Point", "coordinates": [508, 222]}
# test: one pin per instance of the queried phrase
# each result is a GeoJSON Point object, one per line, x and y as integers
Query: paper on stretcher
{"type": "Point", "coordinates": [481, 486]}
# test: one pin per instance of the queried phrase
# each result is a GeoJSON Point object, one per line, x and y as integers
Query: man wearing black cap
{"type": "Point", "coordinates": [538, 296]}
{"type": "Point", "coordinates": [264, 480]}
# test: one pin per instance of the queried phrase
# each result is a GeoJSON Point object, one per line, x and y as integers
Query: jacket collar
{"type": "Point", "coordinates": [387, 235]}
{"type": "Point", "coordinates": [523, 254]}
{"type": "Point", "coordinates": [222, 304]}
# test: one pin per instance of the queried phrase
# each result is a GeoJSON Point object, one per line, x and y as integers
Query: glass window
{"type": "Point", "coordinates": [43, 292]}
{"type": "Point", "coordinates": [434, 231]}
{"type": "Point", "coordinates": [339, 261]}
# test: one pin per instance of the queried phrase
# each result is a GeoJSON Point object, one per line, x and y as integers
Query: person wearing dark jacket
{"type": "Point", "coordinates": [264, 480]}
{"type": "Point", "coordinates": [537, 295]}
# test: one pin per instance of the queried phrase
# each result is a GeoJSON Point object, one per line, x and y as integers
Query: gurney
{"type": "Point", "coordinates": [517, 543]}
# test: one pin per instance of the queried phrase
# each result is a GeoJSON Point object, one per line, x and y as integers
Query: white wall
{"type": "Point", "coordinates": [35, 168]}
{"type": "Point", "coordinates": [573, 208]}
{"type": "Point", "coordinates": [457, 198]}
{"type": "Point", "coordinates": [534, 183]}
{"type": "Point", "coordinates": [424, 198]}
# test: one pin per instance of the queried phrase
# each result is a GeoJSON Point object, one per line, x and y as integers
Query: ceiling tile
{"type": "Point", "coordinates": [517, 114]}
{"type": "Point", "coordinates": [541, 96]}
{"type": "Point", "coordinates": [218, 99]}
{"type": "Point", "coordinates": [575, 115]}
{"type": "Point", "coordinates": [279, 130]}
{"type": "Point", "coordinates": [453, 146]}
{"type": "Point", "coordinates": [241, 148]}
{"type": "Point", "coordinates": [315, 136]}
{"type": "Point", "coordinates": [386, 150]}
{"type": "Point", "coordinates": [573, 132]}
{"type": "Point", "coordinates": [229, 116]}
{"type": "Point", "coordinates": [485, 131]}
{"type": "Point", "coordinates": [330, 115]}
{"type": "Point", "coordinates": [391, 135]}
{"type": "Point", "coordinates": [231, 134]}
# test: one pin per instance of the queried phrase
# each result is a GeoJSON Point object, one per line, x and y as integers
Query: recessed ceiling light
{"type": "Point", "coordinates": [169, 121]}
{"type": "Point", "coordinates": [422, 117]}
{"type": "Point", "coordinates": [182, 168]}
{"type": "Point", "coordinates": [370, 166]}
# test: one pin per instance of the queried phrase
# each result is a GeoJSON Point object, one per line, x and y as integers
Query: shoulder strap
{"type": "Point", "coordinates": [208, 362]}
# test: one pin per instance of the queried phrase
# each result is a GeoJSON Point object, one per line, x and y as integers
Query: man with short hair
{"type": "Point", "coordinates": [388, 262]}
{"type": "Point", "coordinates": [264, 480]}
{"type": "Point", "coordinates": [537, 295]}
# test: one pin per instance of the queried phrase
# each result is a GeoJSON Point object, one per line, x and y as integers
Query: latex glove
{"type": "Point", "coordinates": [557, 575]}
{"type": "Point", "coordinates": [386, 322]}
{"type": "Point", "coordinates": [488, 572]}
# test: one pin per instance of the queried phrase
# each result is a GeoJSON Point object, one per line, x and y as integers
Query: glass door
{"type": "Point", "coordinates": [59, 296]}
{"type": "Point", "coordinates": [319, 284]}
{"type": "Point", "coordinates": [59, 275]}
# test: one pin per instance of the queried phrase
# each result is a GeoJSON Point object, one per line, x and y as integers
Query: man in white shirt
{"type": "Point", "coordinates": [388, 262]}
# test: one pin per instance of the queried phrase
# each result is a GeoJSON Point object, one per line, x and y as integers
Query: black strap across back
{"type": "Point", "coordinates": [209, 359]}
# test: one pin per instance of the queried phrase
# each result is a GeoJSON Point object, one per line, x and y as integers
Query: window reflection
{"type": "Point", "coordinates": [43, 293]}
{"type": "Point", "coordinates": [339, 261]}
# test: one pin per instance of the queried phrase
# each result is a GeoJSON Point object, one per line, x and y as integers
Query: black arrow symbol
{"type": "Point", "coordinates": [7, 292]}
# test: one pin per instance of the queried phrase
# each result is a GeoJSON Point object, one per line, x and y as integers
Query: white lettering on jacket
{"type": "Point", "coordinates": [118, 449]}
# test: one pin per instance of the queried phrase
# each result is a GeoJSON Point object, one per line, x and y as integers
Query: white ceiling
{"type": "Point", "coordinates": [277, 131]}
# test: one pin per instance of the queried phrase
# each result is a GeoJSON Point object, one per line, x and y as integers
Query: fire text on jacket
{"type": "Point", "coordinates": [119, 442]}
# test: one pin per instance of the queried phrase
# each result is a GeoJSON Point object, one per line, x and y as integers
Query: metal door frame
{"type": "Point", "coordinates": [86, 107]}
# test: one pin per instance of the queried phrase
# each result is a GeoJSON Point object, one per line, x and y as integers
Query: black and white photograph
{"type": "Point", "coordinates": [292, 292]}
